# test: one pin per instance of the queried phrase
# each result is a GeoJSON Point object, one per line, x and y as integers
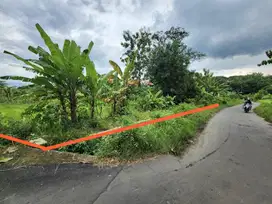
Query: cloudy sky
{"type": "Point", "coordinates": [233, 33]}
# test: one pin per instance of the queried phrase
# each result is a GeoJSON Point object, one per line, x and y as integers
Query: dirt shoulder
{"type": "Point", "coordinates": [24, 156]}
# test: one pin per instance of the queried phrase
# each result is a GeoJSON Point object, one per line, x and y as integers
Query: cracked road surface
{"type": "Point", "coordinates": [230, 163]}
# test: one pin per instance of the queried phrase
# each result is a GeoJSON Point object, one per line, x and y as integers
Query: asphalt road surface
{"type": "Point", "coordinates": [231, 163]}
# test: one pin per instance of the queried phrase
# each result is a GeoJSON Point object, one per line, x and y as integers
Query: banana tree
{"type": "Point", "coordinates": [47, 76]}
{"type": "Point", "coordinates": [93, 83]}
{"type": "Point", "coordinates": [58, 71]}
{"type": "Point", "coordinates": [126, 75]}
{"type": "Point", "coordinates": [209, 83]}
{"type": "Point", "coordinates": [69, 61]}
{"type": "Point", "coordinates": [120, 82]}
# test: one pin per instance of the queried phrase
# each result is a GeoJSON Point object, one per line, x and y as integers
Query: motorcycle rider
{"type": "Point", "coordinates": [247, 100]}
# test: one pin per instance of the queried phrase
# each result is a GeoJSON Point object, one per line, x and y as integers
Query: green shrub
{"type": "Point", "coordinates": [151, 101]}
{"type": "Point", "coordinates": [87, 147]}
{"type": "Point", "coordinates": [125, 145]}
{"type": "Point", "coordinates": [265, 110]}
{"type": "Point", "coordinates": [46, 117]}
{"type": "Point", "coordinates": [259, 95]}
{"type": "Point", "coordinates": [19, 129]}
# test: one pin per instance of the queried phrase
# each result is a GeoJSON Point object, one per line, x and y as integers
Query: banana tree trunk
{"type": "Point", "coordinates": [73, 105]}
{"type": "Point", "coordinates": [92, 106]}
{"type": "Point", "coordinates": [114, 105]}
{"type": "Point", "coordinates": [62, 102]}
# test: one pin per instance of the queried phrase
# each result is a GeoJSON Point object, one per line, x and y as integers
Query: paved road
{"type": "Point", "coordinates": [231, 163]}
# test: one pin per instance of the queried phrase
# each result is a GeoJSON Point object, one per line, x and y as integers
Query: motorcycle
{"type": "Point", "coordinates": [247, 107]}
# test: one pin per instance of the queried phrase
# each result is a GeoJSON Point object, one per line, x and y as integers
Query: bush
{"type": "Point", "coordinates": [46, 117]}
{"type": "Point", "coordinates": [152, 101]}
{"type": "Point", "coordinates": [265, 110]}
{"type": "Point", "coordinates": [259, 95]}
{"type": "Point", "coordinates": [87, 147]}
{"type": "Point", "coordinates": [125, 145]}
{"type": "Point", "coordinates": [19, 129]}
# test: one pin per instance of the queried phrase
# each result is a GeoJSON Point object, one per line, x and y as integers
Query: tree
{"type": "Point", "coordinates": [168, 65]}
{"type": "Point", "coordinates": [121, 81]}
{"type": "Point", "coordinates": [138, 44]}
{"type": "Point", "coordinates": [93, 84]}
{"type": "Point", "coordinates": [58, 72]}
{"type": "Point", "coordinates": [221, 79]}
{"type": "Point", "coordinates": [128, 71]}
{"type": "Point", "coordinates": [269, 61]}
{"type": "Point", "coordinates": [210, 83]}
{"type": "Point", "coordinates": [250, 83]}
{"type": "Point", "coordinates": [143, 42]}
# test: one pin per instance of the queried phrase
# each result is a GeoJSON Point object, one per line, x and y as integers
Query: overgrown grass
{"type": "Point", "coordinates": [12, 110]}
{"type": "Point", "coordinates": [166, 137]}
{"type": "Point", "coordinates": [265, 109]}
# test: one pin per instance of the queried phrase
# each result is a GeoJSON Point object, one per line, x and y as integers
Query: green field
{"type": "Point", "coordinates": [12, 110]}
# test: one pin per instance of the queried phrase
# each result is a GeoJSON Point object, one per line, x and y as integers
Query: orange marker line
{"type": "Point", "coordinates": [137, 125]}
{"type": "Point", "coordinates": [22, 142]}
{"type": "Point", "coordinates": [112, 131]}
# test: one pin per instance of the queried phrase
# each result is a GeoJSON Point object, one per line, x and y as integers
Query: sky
{"type": "Point", "coordinates": [234, 34]}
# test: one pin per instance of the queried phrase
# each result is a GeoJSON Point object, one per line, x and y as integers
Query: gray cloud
{"type": "Point", "coordinates": [222, 29]}
{"type": "Point", "coordinates": [226, 28]}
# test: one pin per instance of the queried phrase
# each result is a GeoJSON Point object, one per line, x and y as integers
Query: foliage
{"type": "Point", "coordinates": [269, 61]}
{"type": "Point", "coordinates": [265, 110]}
{"type": "Point", "coordinates": [259, 95]}
{"type": "Point", "coordinates": [151, 101]}
{"type": "Point", "coordinates": [209, 89]}
{"type": "Point", "coordinates": [125, 145]}
{"type": "Point", "coordinates": [118, 90]}
{"type": "Point", "coordinates": [21, 129]}
{"type": "Point", "coordinates": [138, 44]}
{"type": "Point", "coordinates": [250, 83]}
{"type": "Point", "coordinates": [144, 42]}
{"type": "Point", "coordinates": [45, 116]}
{"type": "Point", "coordinates": [59, 72]}
{"type": "Point", "coordinates": [167, 137]}
{"type": "Point", "coordinates": [168, 70]}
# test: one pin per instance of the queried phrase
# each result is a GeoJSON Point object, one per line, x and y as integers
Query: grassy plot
{"type": "Point", "coordinates": [265, 109]}
{"type": "Point", "coordinates": [12, 110]}
{"type": "Point", "coordinates": [171, 136]}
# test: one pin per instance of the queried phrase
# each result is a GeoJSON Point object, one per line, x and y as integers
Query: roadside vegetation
{"type": "Point", "coordinates": [68, 98]}
{"type": "Point", "coordinates": [265, 108]}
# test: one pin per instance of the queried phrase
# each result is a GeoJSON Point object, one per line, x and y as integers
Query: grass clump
{"type": "Point", "coordinates": [265, 110]}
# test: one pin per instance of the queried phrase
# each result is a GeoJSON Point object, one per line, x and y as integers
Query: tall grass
{"type": "Point", "coordinates": [265, 109]}
{"type": "Point", "coordinates": [170, 136]}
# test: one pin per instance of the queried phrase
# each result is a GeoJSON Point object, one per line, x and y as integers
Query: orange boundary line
{"type": "Point", "coordinates": [22, 142]}
{"type": "Point", "coordinates": [112, 131]}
